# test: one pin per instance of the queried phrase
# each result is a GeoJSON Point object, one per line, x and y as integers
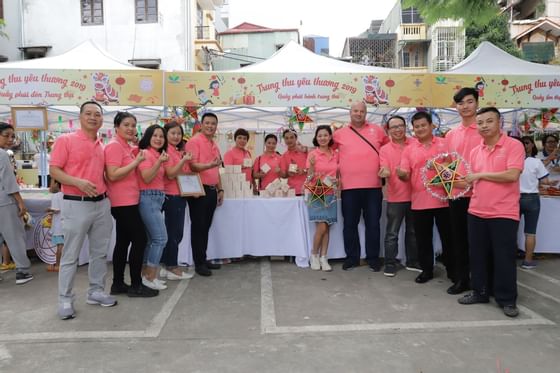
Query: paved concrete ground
{"type": "Point", "coordinates": [274, 317]}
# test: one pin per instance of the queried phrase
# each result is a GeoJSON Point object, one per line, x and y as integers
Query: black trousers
{"type": "Point", "coordinates": [459, 251]}
{"type": "Point", "coordinates": [423, 228]}
{"type": "Point", "coordinates": [201, 211]}
{"type": "Point", "coordinates": [496, 239]}
{"type": "Point", "coordinates": [130, 230]}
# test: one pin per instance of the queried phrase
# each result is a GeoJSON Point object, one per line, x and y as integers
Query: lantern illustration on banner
{"type": "Point", "coordinates": [120, 81]}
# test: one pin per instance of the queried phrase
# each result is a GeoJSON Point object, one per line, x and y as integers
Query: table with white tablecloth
{"type": "Point", "coordinates": [280, 227]}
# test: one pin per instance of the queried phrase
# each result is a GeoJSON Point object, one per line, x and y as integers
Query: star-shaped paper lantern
{"type": "Point", "coordinates": [300, 116]}
{"type": "Point", "coordinates": [446, 176]}
{"type": "Point", "coordinates": [319, 190]}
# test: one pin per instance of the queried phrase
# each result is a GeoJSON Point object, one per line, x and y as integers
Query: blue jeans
{"type": "Point", "coordinates": [355, 202]}
{"type": "Point", "coordinates": [174, 209]}
{"type": "Point", "coordinates": [396, 213]}
{"type": "Point", "coordinates": [151, 203]}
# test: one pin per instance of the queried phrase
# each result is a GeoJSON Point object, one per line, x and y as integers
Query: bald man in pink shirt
{"type": "Point", "coordinates": [493, 218]}
{"type": "Point", "coordinates": [358, 147]}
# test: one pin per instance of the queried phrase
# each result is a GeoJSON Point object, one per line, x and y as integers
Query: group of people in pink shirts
{"type": "Point", "coordinates": [136, 184]}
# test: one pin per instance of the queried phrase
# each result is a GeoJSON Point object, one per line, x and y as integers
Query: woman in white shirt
{"type": "Point", "coordinates": [534, 173]}
{"type": "Point", "coordinates": [550, 155]}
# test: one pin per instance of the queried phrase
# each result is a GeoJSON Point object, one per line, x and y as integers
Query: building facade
{"type": "Point", "coordinates": [372, 48]}
{"type": "Point", "coordinates": [165, 34]}
{"type": "Point", "coordinates": [535, 28]}
{"type": "Point", "coordinates": [317, 44]}
{"type": "Point", "coordinates": [420, 46]}
{"type": "Point", "coordinates": [248, 43]}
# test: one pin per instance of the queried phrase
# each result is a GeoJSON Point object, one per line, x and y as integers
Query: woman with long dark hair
{"type": "Point", "coordinates": [122, 186]}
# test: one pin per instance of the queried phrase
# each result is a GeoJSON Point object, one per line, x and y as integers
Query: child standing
{"type": "Point", "coordinates": [56, 227]}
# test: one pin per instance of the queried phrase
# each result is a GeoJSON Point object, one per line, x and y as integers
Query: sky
{"type": "Point", "coordinates": [337, 19]}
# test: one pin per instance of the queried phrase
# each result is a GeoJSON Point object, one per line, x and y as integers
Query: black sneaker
{"type": "Point", "coordinates": [348, 265]}
{"type": "Point", "coordinates": [119, 288]}
{"type": "Point", "coordinates": [375, 267]}
{"type": "Point", "coordinates": [390, 270]}
{"type": "Point", "coordinates": [473, 298]}
{"type": "Point", "coordinates": [203, 271]}
{"type": "Point", "coordinates": [511, 310]}
{"type": "Point", "coordinates": [141, 292]}
{"type": "Point", "coordinates": [23, 278]}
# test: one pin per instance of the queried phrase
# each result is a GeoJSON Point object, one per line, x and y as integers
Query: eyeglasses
{"type": "Point", "coordinates": [9, 136]}
{"type": "Point", "coordinates": [398, 126]}
{"type": "Point", "coordinates": [551, 142]}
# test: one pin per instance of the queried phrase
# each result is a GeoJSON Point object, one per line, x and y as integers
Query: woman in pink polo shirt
{"type": "Point", "coordinates": [238, 155]}
{"type": "Point", "coordinates": [322, 164]}
{"type": "Point", "coordinates": [267, 166]}
{"type": "Point", "coordinates": [174, 205]}
{"type": "Point", "coordinates": [293, 161]}
{"type": "Point", "coordinates": [151, 173]}
{"type": "Point", "coordinates": [122, 187]}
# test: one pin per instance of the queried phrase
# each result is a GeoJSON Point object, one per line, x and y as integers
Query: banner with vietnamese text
{"type": "Point", "coordinates": [501, 91]}
{"type": "Point", "coordinates": [295, 89]}
{"type": "Point", "coordinates": [73, 87]}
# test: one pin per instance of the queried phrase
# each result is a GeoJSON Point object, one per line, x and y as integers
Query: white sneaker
{"type": "Point", "coordinates": [155, 284]}
{"type": "Point", "coordinates": [325, 266]}
{"type": "Point", "coordinates": [171, 276]}
{"type": "Point", "coordinates": [163, 282]}
{"type": "Point", "coordinates": [315, 264]}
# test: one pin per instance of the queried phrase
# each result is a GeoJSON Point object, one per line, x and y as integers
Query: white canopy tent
{"type": "Point", "coordinates": [488, 59]}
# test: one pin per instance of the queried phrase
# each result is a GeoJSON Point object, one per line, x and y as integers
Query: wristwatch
{"type": "Point", "coordinates": [220, 190]}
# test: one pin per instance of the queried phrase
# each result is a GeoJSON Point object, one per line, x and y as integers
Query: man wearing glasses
{"type": "Point", "coordinates": [398, 199]}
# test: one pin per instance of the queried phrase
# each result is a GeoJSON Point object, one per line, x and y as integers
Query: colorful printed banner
{"type": "Point", "coordinates": [72, 87]}
{"type": "Point", "coordinates": [502, 91]}
{"type": "Point", "coordinates": [295, 89]}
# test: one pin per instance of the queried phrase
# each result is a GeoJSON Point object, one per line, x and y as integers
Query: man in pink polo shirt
{"type": "Point", "coordinates": [206, 160]}
{"type": "Point", "coordinates": [494, 213]}
{"type": "Point", "coordinates": [78, 163]}
{"type": "Point", "coordinates": [425, 207]}
{"type": "Point", "coordinates": [398, 199]}
{"type": "Point", "coordinates": [462, 139]}
{"type": "Point", "coordinates": [358, 148]}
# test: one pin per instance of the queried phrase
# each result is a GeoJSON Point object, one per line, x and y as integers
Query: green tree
{"type": "Point", "coordinates": [481, 18]}
{"type": "Point", "coordinates": [496, 32]}
{"type": "Point", "coordinates": [472, 12]}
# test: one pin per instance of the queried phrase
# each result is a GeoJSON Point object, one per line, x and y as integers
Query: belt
{"type": "Point", "coordinates": [211, 187]}
{"type": "Point", "coordinates": [529, 194]}
{"type": "Point", "coordinates": [98, 198]}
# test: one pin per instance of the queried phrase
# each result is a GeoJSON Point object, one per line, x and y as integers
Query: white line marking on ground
{"type": "Point", "coordinates": [542, 294]}
{"type": "Point", "coordinates": [268, 318]}
{"type": "Point", "coordinates": [268, 314]}
{"type": "Point", "coordinates": [153, 330]}
{"type": "Point", "coordinates": [4, 353]}
{"type": "Point", "coordinates": [535, 273]}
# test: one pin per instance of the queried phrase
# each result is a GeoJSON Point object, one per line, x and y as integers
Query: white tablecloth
{"type": "Point", "coordinates": [254, 226]}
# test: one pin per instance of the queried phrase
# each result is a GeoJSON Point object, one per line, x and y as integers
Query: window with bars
{"type": "Point", "coordinates": [146, 11]}
{"type": "Point", "coordinates": [92, 12]}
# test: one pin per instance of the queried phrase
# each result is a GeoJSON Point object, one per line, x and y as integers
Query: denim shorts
{"type": "Point", "coordinates": [530, 206]}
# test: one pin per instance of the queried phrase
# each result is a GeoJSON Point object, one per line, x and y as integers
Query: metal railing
{"type": "Point", "coordinates": [205, 33]}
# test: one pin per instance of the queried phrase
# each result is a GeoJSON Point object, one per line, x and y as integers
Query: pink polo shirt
{"type": "Point", "coordinates": [235, 156]}
{"type": "Point", "coordinates": [151, 156]}
{"type": "Point", "coordinates": [205, 151]}
{"type": "Point", "coordinates": [326, 164]}
{"type": "Point", "coordinates": [79, 156]}
{"type": "Point", "coordinates": [170, 186]}
{"type": "Point", "coordinates": [413, 159]}
{"type": "Point", "coordinates": [123, 192]}
{"type": "Point", "coordinates": [358, 162]}
{"type": "Point", "coordinates": [463, 140]}
{"type": "Point", "coordinates": [496, 200]}
{"type": "Point", "coordinates": [390, 157]}
{"type": "Point", "coordinates": [298, 158]}
{"type": "Point", "coordinates": [273, 160]}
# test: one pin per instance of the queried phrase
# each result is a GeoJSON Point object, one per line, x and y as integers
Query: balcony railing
{"type": "Point", "coordinates": [205, 33]}
{"type": "Point", "coordinates": [413, 31]}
